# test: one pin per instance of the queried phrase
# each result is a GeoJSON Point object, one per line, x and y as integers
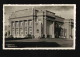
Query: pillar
{"type": "Point", "coordinates": [7, 31]}
{"type": "Point", "coordinates": [14, 29]}
{"type": "Point", "coordinates": [23, 29]}
{"type": "Point", "coordinates": [32, 27]}
{"type": "Point", "coordinates": [45, 22]}
{"type": "Point", "coordinates": [10, 28]}
{"type": "Point", "coordinates": [27, 27]}
{"type": "Point", "coordinates": [19, 28]}
{"type": "Point", "coordinates": [53, 35]}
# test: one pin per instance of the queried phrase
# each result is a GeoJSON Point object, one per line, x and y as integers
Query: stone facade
{"type": "Point", "coordinates": [36, 23]}
{"type": "Point", "coordinates": [68, 28]}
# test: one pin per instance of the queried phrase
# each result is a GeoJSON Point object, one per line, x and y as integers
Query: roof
{"type": "Point", "coordinates": [49, 13]}
{"type": "Point", "coordinates": [68, 20]}
{"type": "Point", "coordinates": [58, 18]}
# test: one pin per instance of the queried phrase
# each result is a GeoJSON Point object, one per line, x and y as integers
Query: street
{"type": "Point", "coordinates": [56, 42]}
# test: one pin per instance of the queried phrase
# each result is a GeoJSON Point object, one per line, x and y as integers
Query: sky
{"type": "Point", "coordinates": [66, 12]}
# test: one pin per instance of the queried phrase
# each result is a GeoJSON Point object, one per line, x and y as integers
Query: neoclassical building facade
{"type": "Point", "coordinates": [36, 23]}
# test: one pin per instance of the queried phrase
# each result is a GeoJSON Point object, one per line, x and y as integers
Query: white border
{"type": "Point", "coordinates": [41, 48]}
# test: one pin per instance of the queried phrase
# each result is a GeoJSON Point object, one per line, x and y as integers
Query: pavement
{"type": "Point", "coordinates": [61, 42]}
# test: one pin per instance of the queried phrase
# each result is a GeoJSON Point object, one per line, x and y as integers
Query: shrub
{"type": "Point", "coordinates": [48, 36]}
{"type": "Point", "coordinates": [43, 36]}
{"type": "Point", "coordinates": [15, 37]}
{"type": "Point", "coordinates": [28, 36]}
{"type": "Point", "coordinates": [39, 37]}
{"type": "Point", "coordinates": [33, 36]}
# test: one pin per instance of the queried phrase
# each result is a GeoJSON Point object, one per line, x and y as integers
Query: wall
{"type": "Point", "coordinates": [68, 27]}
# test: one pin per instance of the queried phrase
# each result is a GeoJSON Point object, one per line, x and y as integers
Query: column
{"type": "Point", "coordinates": [19, 27]}
{"type": "Point", "coordinates": [23, 29]}
{"type": "Point", "coordinates": [53, 36]}
{"type": "Point", "coordinates": [7, 31]}
{"type": "Point", "coordinates": [14, 29]}
{"type": "Point", "coordinates": [45, 22]}
{"type": "Point", "coordinates": [39, 29]}
{"type": "Point", "coordinates": [10, 28]}
{"type": "Point", "coordinates": [33, 22]}
{"type": "Point", "coordinates": [27, 27]}
{"type": "Point", "coordinates": [32, 28]}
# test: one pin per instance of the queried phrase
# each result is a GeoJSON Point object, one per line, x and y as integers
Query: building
{"type": "Point", "coordinates": [68, 28]}
{"type": "Point", "coordinates": [37, 23]}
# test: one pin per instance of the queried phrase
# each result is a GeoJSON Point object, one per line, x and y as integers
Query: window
{"type": "Point", "coordinates": [25, 28]}
{"type": "Point", "coordinates": [36, 23]}
{"type": "Point", "coordinates": [17, 32]}
{"type": "Point", "coordinates": [17, 24]}
{"type": "Point", "coordinates": [36, 11]}
{"type": "Point", "coordinates": [12, 24]}
{"type": "Point", "coordinates": [37, 30]}
{"type": "Point", "coordinates": [12, 32]}
{"type": "Point", "coordinates": [21, 24]}
{"type": "Point", "coordinates": [30, 29]}
{"type": "Point", "coordinates": [30, 23]}
{"type": "Point", "coordinates": [30, 32]}
{"type": "Point", "coordinates": [39, 19]}
{"type": "Point", "coordinates": [26, 24]}
{"type": "Point", "coordinates": [21, 31]}
{"type": "Point", "coordinates": [26, 32]}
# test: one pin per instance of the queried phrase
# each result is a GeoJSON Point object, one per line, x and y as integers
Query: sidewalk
{"type": "Point", "coordinates": [62, 42]}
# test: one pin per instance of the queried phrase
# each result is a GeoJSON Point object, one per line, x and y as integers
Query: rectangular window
{"type": "Point", "coordinates": [39, 19]}
{"type": "Point", "coordinates": [36, 12]}
{"type": "Point", "coordinates": [30, 23]}
{"type": "Point", "coordinates": [13, 24]}
{"type": "Point", "coordinates": [37, 30]}
{"type": "Point", "coordinates": [12, 31]}
{"type": "Point", "coordinates": [30, 28]}
{"type": "Point", "coordinates": [25, 23]}
{"type": "Point", "coordinates": [17, 24]}
{"type": "Point", "coordinates": [25, 28]}
{"type": "Point", "coordinates": [16, 31]}
{"type": "Point", "coordinates": [21, 24]}
{"type": "Point", "coordinates": [30, 33]}
{"type": "Point", "coordinates": [21, 31]}
{"type": "Point", "coordinates": [26, 32]}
